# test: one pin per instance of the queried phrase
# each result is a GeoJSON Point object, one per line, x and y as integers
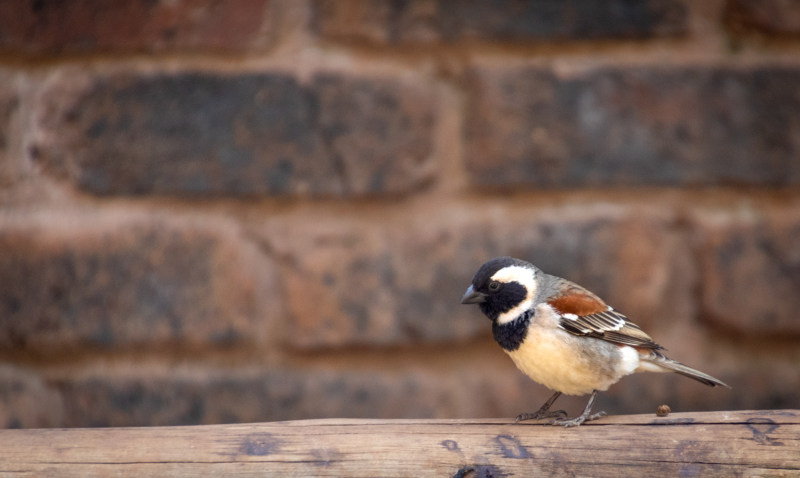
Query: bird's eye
{"type": "Point", "coordinates": [494, 286]}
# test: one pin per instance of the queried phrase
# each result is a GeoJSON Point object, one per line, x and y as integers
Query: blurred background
{"type": "Point", "coordinates": [240, 211]}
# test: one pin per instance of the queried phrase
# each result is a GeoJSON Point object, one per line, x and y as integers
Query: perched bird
{"type": "Point", "coordinates": [563, 336]}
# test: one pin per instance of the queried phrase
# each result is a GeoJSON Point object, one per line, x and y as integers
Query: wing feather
{"type": "Point", "coordinates": [585, 314]}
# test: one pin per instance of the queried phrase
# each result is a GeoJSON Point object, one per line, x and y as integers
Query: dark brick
{"type": "Point", "coordinates": [9, 106]}
{"type": "Point", "coordinates": [105, 284]}
{"type": "Point", "coordinates": [199, 134]}
{"type": "Point", "coordinates": [232, 397]}
{"type": "Point", "coordinates": [527, 127]}
{"type": "Point", "coordinates": [26, 402]}
{"type": "Point", "coordinates": [482, 382]}
{"type": "Point", "coordinates": [378, 134]}
{"type": "Point", "coordinates": [751, 270]}
{"type": "Point", "coordinates": [769, 377]}
{"type": "Point", "coordinates": [770, 17]}
{"type": "Point", "coordinates": [388, 22]}
{"type": "Point", "coordinates": [129, 26]}
{"type": "Point", "coordinates": [353, 282]}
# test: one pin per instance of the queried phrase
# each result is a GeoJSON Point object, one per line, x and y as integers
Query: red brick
{"type": "Point", "coordinates": [528, 127]}
{"type": "Point", "coordinates": [207, 134]}
{"type": "Point", "coordinates": [130, 26]}
{"type": "Point", "coordinates": [399, 281]}
{"type": "Point", "coordinates": [357, 282]}
{"type": "Point", "coordinates": [421, 21]}
{"type": "Point", "coordinates": [634, 258]}
{"type": "Point", "coordinates": [750, 269]}
{"type": "Point", "coordinates": [101, 282]}
{"type": "Point", "coordinates": [771, 17]}
{"type": "Point", "coordinates": [26, 401]}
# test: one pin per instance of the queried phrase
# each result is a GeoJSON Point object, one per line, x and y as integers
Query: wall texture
{"type": "Point", "coordinates": [265, 210]}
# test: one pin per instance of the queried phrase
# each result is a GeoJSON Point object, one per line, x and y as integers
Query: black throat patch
{"type": "Point", "coordinates": [511, 334]}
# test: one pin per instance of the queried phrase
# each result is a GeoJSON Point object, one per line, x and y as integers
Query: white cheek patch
{"type": "Point", "coordinates": [524, 277]}
{"type": "Point", "coordinates": [512, 314]}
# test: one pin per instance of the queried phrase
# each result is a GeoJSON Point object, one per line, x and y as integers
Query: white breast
{"type": "Point", "coordinates": [570, 364]}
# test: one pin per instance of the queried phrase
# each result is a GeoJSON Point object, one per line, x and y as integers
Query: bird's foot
{"type": "Point", "coordinates": [557, 414]}
{"type": "Point", "coordinates": [574, 422]}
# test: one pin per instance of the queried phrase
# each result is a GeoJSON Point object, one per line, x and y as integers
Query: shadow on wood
{"type": "Point", "coordinates": [737, 443]}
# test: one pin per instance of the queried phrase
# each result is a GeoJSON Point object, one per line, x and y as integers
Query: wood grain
{"type": "Point", "coordinates": [735, 443]}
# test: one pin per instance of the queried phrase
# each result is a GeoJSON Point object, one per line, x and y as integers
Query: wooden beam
{"type": "Point", "coordinates": [749, 443]}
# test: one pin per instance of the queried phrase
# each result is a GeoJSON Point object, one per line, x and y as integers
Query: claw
{"type": "Point", "coordinates": [574, 422]}
{"type": "Point", "coordinates": [584, 417]}
{"type": "Point", "coordinates": [543, 411]}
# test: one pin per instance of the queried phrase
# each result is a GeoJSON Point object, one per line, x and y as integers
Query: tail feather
{"type": "Point", "coordinates": [664, 362]}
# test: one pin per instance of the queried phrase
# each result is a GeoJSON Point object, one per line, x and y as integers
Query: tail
{"type": "Point", "coordinates": [667, 364]}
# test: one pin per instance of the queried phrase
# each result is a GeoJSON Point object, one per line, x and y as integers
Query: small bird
{"type": "Point", "coordinates": [563, 336]}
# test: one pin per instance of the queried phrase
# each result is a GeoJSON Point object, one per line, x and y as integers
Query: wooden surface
{"type": "Point", "coordinates": [738, 443]}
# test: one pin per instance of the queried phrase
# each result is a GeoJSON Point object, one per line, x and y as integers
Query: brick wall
{"type": "Point", "coordinates": [265, 210]}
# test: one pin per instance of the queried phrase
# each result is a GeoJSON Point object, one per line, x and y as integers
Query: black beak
{"type": "Point", "coordinates": [471, 296]}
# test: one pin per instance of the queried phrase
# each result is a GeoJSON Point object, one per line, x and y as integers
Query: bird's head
{"type": "Point", "coordinates": [503, 288]}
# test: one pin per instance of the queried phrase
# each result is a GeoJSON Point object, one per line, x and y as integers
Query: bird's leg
{"type": "Point", "coordinates": [543, 412]}
{"type": "Point", "coordinates": [586, 416]}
